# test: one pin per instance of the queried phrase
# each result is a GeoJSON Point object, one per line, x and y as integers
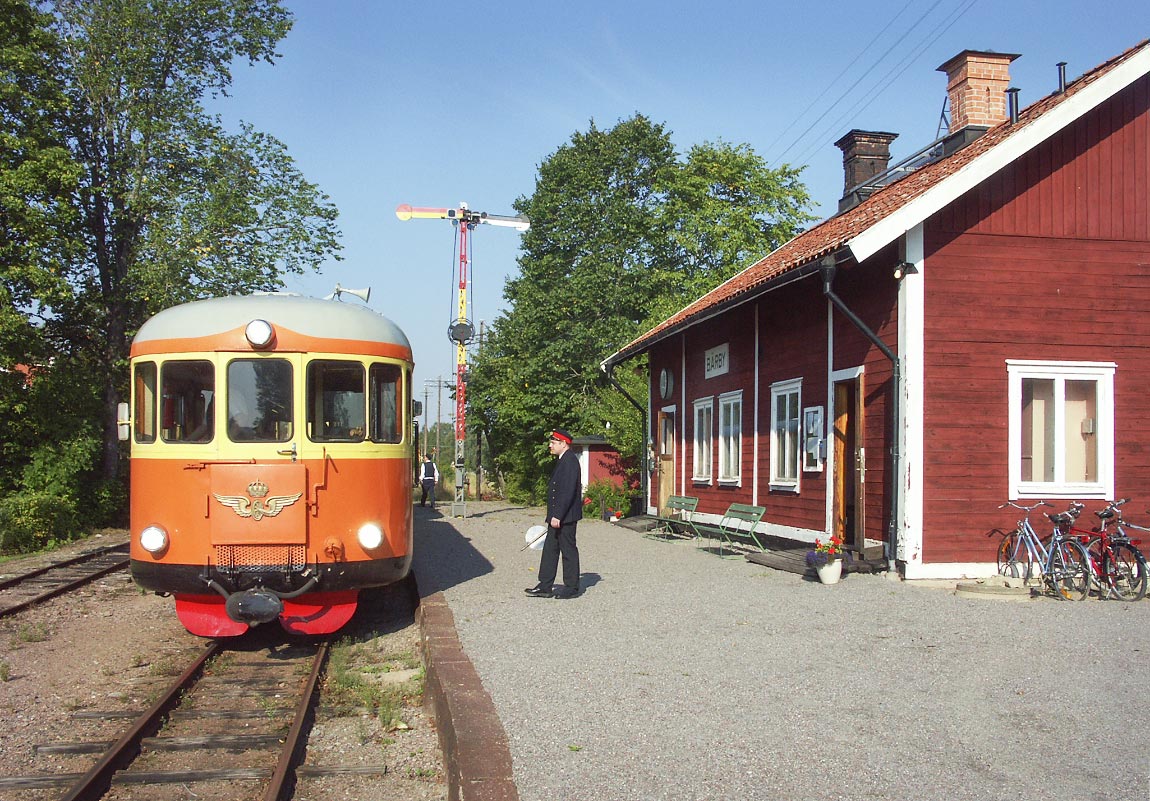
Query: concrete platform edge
{"type": "Point", "coordinates": [476, 754]}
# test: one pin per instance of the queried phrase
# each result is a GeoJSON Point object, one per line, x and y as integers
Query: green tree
{"type": "Point", "coordinates": [165, 205]}
{"type": "Point", "coordinates": [622, 233]}
{"type": "Point", "coordinates": [38, 227]}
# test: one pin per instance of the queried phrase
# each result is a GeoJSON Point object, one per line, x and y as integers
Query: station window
{"type": "Point", "coordinates": [704, 419]}
{"type": "Point", "coordinates": [260, 400]}
{"type": "Point", "coordinates": [385, 393]}
{"type": "Point", "coordinates": [336, 401]}
{"type": "Point", "coordinates": [731, 437]}
{"type": "Point", "coordinates": [785, 450]}
{"type": "Point", "coordinates": [1061, 420]}
{"type": "Point", "coordinates": [144, 400]}
{"type": "Point", "coordinates": [187, 391]}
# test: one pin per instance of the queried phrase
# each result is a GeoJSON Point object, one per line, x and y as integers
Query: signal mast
{"type": "Point", "coordinates": [461, 331]}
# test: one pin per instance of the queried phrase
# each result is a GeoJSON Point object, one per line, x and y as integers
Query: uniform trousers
{"type": "Point", "coordinates": [560, 541]}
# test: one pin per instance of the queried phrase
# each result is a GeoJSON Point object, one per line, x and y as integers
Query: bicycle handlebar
{"type": "Point", "coordinates": [1111, 510]}
{"type": "Point", "coordinates": [1025, 508]}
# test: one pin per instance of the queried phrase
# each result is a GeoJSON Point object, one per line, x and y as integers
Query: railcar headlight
{"type": "Point", "coordinates": [260, 333]}
{"type": "Point", "coordinates": [154, 539]}
{"type": "Point", "coordinates": [370, 536]}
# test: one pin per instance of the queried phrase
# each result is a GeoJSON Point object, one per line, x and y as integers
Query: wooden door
{"type": "Point", "coordinates": [850, 463]}
{"type": "Point", "coordinates": [665, 461]}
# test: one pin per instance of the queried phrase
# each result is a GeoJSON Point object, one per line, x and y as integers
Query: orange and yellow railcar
{"type": "Point", "coordinates": [271, 445]}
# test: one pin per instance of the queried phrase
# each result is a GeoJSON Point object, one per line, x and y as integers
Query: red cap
{"type": "Point", "coordinates": [560, 434]}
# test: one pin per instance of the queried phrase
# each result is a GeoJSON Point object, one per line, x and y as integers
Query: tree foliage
{"type": "Point", "coordinates": [623, 232]}
{"type": "Point", "coordinates": [123, 195]}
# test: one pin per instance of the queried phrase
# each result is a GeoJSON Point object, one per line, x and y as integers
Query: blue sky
{"type": "Point", "coordinates": [433, 104]}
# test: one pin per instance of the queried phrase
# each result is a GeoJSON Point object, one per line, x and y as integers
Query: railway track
{"type": "Point", "coordinates": [234, 725]}
{"type": "Point", "coordinates": [19, 592]}
{"type": "Point", "coordinates": [233, 715]}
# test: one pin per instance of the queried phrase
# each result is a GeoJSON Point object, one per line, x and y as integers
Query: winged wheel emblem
{"type": "Point", "coordinates": [257, 504]}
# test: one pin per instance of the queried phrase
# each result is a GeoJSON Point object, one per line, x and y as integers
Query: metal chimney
{"type": "Point", "coordinates": [1061, 77]}
{"type": "Point", "coordinates": [1012, 104]}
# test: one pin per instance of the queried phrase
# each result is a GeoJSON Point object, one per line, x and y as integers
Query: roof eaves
{"type": "Point", "coordinates": [682, 321]}
{"type": "Point", "coordinates": [999, 147]}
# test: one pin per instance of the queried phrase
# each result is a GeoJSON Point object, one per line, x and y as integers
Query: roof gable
{"type": "Point", "coordinates": [896, 208]}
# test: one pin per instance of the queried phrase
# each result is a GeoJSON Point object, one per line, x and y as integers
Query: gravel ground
{"type": "Point", "coordinates": [680, 675]}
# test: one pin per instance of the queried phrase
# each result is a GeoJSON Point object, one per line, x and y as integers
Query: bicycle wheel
{"type": "Point", "coordinates": [1126, 569]}
{"type": "Point", "coordinates": [1014, 557]}
{"type": "Point", "coordinates": [1070, 571]}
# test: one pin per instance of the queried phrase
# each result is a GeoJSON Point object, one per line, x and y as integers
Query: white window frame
{"type": "Point", "coordinates": [731, 445]}
{"type": "Point", "coordinates": [703, 457]}
{"type": "Point", "coordinates": [1100, 372]}
{"type": "Point", "coordinates": [779, 389]}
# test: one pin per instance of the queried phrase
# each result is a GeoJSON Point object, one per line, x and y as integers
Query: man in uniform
{"type": "Point", "coordinates": [564, 511]}
{"type": "Point", "coordinates": [428, 480]}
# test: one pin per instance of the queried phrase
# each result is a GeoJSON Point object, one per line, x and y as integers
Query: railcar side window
{"type": "Point", "coordinates": [336, 401]}
{"type": "Point", "coordinates": [187, 389]}
{"type": "Point", "coordinates": [260, 400]}
{"type": "Point", "coordinates": [144, 391]}
{"type": "Point", "coordinates": [386, 425]}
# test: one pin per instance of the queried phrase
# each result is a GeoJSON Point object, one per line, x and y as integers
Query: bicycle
{"type": "Point", "coordinates": [1063, 565]}
{"type": "Point", "coordinates": [1118, 567]}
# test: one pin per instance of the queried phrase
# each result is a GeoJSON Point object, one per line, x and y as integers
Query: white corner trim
{"type": "Point", "coordinates": [1027, 137]}
{"type": "Point", "coordinates": [912, 352]}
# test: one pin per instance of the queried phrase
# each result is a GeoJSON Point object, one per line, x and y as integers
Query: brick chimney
{"type": "Point", "coordinates": [865, 155]}
{"type": "Point", "coordinates": [976, 83]}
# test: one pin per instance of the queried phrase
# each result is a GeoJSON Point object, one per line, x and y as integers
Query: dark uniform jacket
{"type": "Point", "coordinates": [565, 491]}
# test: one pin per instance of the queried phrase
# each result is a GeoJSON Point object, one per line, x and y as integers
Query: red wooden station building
{"type": "Point", "coordinates": [972, 327]}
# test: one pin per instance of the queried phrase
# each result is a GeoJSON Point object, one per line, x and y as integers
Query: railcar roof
{"type": "Point", "coordinates": [309, 316]}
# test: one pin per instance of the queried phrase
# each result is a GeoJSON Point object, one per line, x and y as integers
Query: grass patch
{"type": "Point", "coordinates": [354, 678]}
{"type": "Point", "coordinates": [30, 632]}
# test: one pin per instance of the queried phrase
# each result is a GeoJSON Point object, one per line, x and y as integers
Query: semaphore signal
{"type": "Point", "coordinates": [461, 331]}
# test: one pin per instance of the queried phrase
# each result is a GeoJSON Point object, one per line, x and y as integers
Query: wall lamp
{"type": "Point", "coordinates": [903, 269]}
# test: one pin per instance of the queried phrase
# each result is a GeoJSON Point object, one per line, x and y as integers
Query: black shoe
{"type": "Point", "coordinates": [539, 591]}
{"type": "Point", "coordinates": [565, 592]}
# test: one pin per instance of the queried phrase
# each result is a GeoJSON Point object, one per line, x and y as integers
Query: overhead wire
{"type": "Point", "coordinates": [872, 93]}
{"type": "Point", "coordinates": [834, 81]}
{"type": "Point", "coordinates": [885, 82]}
{"type": "Point", "coordinates": [860, 78]}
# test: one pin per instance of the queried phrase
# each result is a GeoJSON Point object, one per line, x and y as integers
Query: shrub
{"type": "Point", "coordinates": [604, 494]}
{"type": "Point", "coordinates": [31, 521]}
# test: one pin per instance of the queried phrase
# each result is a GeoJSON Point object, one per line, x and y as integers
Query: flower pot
{"type": "Point", "coordinates": [830, 572]}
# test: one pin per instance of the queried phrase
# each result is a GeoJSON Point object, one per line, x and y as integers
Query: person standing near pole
{"type": "Point", "coordinates": [564, 511]}
{"type": "Point", "coordinates": [428, 479]}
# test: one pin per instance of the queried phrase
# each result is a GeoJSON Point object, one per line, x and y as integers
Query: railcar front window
{"type": "Point", "coordinates": [336, 401]}
{"type": "Point", "coordinates": [385, 394]}
{"type": "Point", "coordinates": [260, 400]}
{"type": "Point", "coordinates": [187, 392]}
{"type": "Point", "coordinates": [144, 390]}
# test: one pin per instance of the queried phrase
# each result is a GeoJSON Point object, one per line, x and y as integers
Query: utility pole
{"type": "Point", "coordinates": [438, 417]}
{"type": "Point", "coordinates": [461, 331]}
